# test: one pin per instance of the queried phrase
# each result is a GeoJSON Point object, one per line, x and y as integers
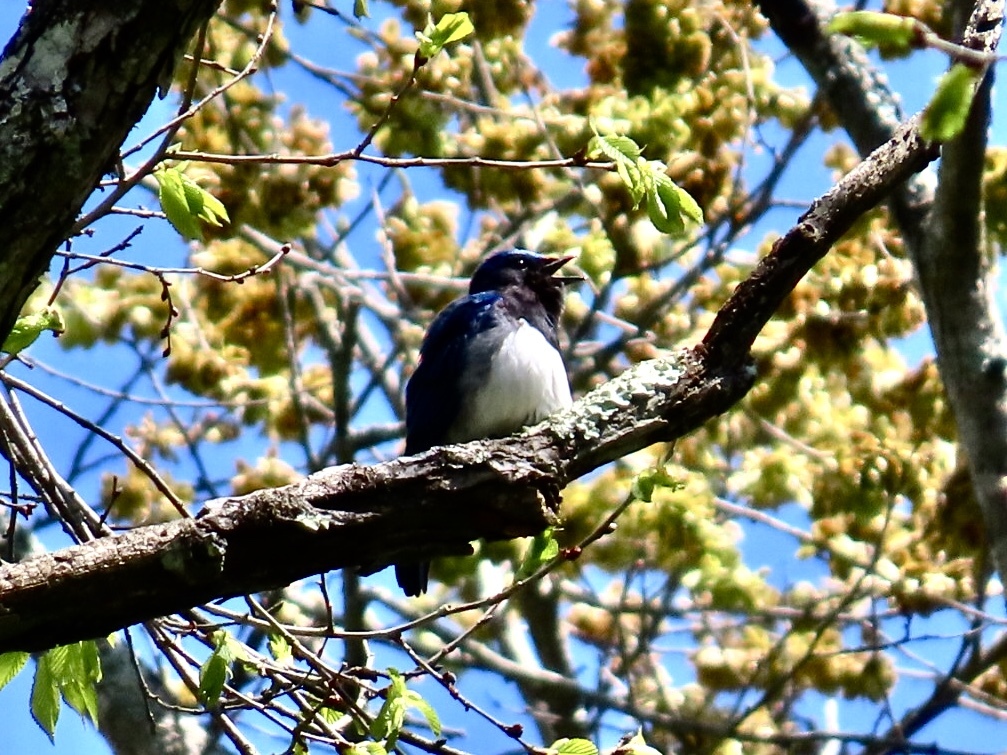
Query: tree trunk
{"type": "Point", "coordinates": [75, 78]}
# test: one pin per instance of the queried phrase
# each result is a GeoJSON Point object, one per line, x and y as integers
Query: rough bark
{"type": "Point", "coordinates": [74, 79]}
{"type": "Point", "coordinates": [354, 516]}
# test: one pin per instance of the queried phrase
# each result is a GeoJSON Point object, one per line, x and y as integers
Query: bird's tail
{"type": "Point", "coordinates": [412, 578]}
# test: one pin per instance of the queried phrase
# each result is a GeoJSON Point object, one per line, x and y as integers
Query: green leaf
{"type": "Point", "coordinates": [202, 204]}
{"type": "Point", "coordinates": [625, 153]}
{"type": "Point", "coordinates": [77, 674]}
{"type": "Point", "coordinates": [212, 676]}
{"type": "Point", "coordinates": [29, 327]}
{"type": "Point", "coordinates": [45, 696]}
{"type": "Point", "coordinates": [387, 725]}
{"type": "Point", "coordinates": [367, 748]}
{"type": "Point", "coordinates": [83, 698]}
{"type": "Point", "coordinates": [688, 208]}
{"type": "Point", "coordinates": [670, 207]}
{"type": "Point", "coordinates": [11, 665]}
{"type": "Point", "coordinates": [567, 746]}
{"type": "Point", "coordinates": [875, 29]}
{"type": "Point", "coordinates": [415, 700]}
{"type": "Point", "coordinates": [69, 672]}
{"type": "Point", "coordinates": [215, 672]}
{"type": "Point", "coordinates": [649, 480]}
{"type": "Point", "coordinates": [945, 115]}
{"type": "Point", "coordinates": [279, 648]}
{"type": "Point", "coordinates": [360, 9]}
{"type": "Point", "coordinates": [171, 194]}
{"type": "Point", "coordinates": [450, 28]}
{"type": "Point", "coordinates": [617, 147]}
{"type": "Point", "coordinates": [542, 549]}
{"type": "Point", "coordinates": [185, 202]}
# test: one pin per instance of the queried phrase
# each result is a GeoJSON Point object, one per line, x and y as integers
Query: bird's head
{"type": "Point", "coordinates": [520, 268]}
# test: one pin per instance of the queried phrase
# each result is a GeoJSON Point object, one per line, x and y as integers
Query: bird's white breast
{"type": "Point", "coordinates": [526, 382]}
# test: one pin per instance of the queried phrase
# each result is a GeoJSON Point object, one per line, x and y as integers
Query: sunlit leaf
{"type": "Point", "coordinates": [366, 748]}
{"type": "Point", "coordinates": [215, 672]}
{"type": "Point", "coordinates": [415, 700]}
{"type": "Point", "coordinates": [669, 206]}
{"type": "Point", "coordinates": [279, 648]}
{"type": "Point", "coordinates": [45, 699]}
{"type": "Point", "coordinates": [872, 28]}
{"type": "Point", "coordinates": [451, 27]}
{"type": "Point", "coordinates": [387, 725]}
{"type": "Point", "coordinates": [171, 194]}
{"type": "Point", "coordinates": [542, 549]}
{"type": "Point", "coordinates": [185, 203]}
{"type": "Point", "coordinates": [568, 746]}
{"type": "Point", "coordinates": [77, 677]}
{"type": "Point", "coordinates": [28, 328]}
{"type": "Point", "coordinates": [945, 115]}
{"type": "Point", "coordinates": [11, 665]}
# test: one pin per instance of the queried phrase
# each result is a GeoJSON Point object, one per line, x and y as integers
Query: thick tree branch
{"type": "Point", "coordinates": [73, 81]}
{"type": "Point", "coordinates": [356, 516]}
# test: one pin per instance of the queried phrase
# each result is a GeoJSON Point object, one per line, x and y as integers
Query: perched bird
{"type": "Point", "coordinates": [489, 364]}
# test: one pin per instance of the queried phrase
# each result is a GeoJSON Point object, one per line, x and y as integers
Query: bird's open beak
{"type": "Point", "coordinates": [555, 264]}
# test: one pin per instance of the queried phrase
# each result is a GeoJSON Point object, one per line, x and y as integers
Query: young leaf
{"type": "Point", "coordinates": [202, 204]}
{"type": "Point", "coordinates": [625, 153]}
{"type": "Point", "coordinates": [367, 748]}
{"type": "Point", "coordinates": [29, 327]}
{"type": "Point", "coordinates": [896, 32]}
{"type": "Point", "coordinates": [83, 698]}
{"type": "Point", "coordinates": [279, 648]}
{"type": "Point", "coordinates": [360, 9]}
{"type": "Point", "coordinates": [669, 206]}
{"type": "Point", "coordinates": [688, 208]}
{"type": "Point", "coordinates": [185, 202]}
{"type": "Point", "coordinates": [212, 676]}
{"type": "Point", "coordinates": [415, 700]}
{"type": "Point", "coordinates": [11, 665]}
{"type": "Point", "coordinates": [451, 27]}
{"type": "Point", "coordinates": [543, 549]}
{"type": "Point", "coordinates": [171, 194]}
{"type": "Point", "coordinates": [945, 115]}
{"type": "Point", "coordinates": [650, 479]}
{"type": "Point", "coordinates": [387, 725]}
{"type": "Point", "coordinates": [76, 675]}
{"type": "Point", "coordinates": [215, 672]}
{"type": "Point", "coordinates": [45, 697]}
{"type": "Point", "coordinates": [567, 746]}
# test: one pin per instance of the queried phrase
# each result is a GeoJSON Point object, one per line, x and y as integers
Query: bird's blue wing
{"type": "Point", "coordinates": [447, 358]}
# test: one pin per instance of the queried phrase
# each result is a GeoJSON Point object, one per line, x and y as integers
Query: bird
{"type": "Point", "coordinates": [489, 364]}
